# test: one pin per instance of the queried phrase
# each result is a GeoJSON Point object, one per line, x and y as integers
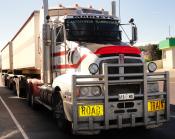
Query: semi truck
{"type": "Point", "coordinates": [73, 62]}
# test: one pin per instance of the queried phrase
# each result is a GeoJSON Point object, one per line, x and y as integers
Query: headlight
{"type": "Point", "coordinates": [153, 87]}
{"type": "Point", "coordinates": [96, 91]}
{"type": "Point", "coordinates": [152, 67]}
{"type": "Point", "coordinates": [86, 91]}
{"type": "Point", "coordinates": [93, 68]}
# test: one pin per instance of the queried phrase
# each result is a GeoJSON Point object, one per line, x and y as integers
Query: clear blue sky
{"type": "Point", "coordinates": [152, 17]}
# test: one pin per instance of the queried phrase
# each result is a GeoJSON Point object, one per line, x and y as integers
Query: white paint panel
{"type": "Point", "coordinates": [167, 61]}
{"type": "Point", "coordinates": [5, 56]}
{"type": "Point", "coordinates": [173, 57]}
{"type": "Point", "coordinates": [24, 46]}
{"type": "Point", "coordinates": [0, 62]}
{"type": "Point", "coordinates": [37, 42]}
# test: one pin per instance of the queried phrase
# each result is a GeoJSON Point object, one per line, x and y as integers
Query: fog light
{"type": "Point", "coordinates": [96, 91]}
{"type": "Point", "coordinates": [84, 91]}
{"type": "Point", "coordinates": [93, 68]}
{"type": "Point", "coordinates": [152, 67]}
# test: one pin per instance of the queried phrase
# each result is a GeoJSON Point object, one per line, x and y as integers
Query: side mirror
{"type": "Point", "coordinates": [134, 33]}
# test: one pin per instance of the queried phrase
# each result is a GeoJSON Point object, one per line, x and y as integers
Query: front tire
{"type": "Point", "coordinates": [59, 114]}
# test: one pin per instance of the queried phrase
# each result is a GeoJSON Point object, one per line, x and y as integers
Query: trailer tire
{"type": "Point", "coordinates": [8, 84]}
{"type": "Point", "coordinates": [14, 89]}
{"type": "Point", "coordinates": [29, 95]}
{"type": "Point", "coordinates": [5, 83]}
{"type": "Point", "coordinates": [33, 102]}
{"type": "Point", "coordinates": [11, 86]}
{"type": "Point", "coordinates": [59, 114]}
{"type": "Point", "coordinates": [31, 98]}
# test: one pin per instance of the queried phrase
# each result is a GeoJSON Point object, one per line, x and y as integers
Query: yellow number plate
{"type": "Point", "coordinates": [90, 110]}
{"type": "Point", "coordinates": [156, 105]}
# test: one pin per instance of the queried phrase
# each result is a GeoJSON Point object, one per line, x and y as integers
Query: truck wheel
{"type": "Point", "coordinates": [8, 84]}
{"type": "Point", "coordinates": [31, 98]}
{"type": "Point", "coordinates": [14, 89]}
{"type": "Point", "coordinates": [23, 93]}
{"type": "Point", "coordinates": [5, 83]}
{"type": "Point", "coordinates": [59, 114]}
{"type": "Point", "coordinates": [33, 103]}
{"type": "Point", "coordinates": [11, 86]}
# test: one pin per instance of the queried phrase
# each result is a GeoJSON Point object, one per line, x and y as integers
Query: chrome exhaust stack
{"type": "Point", "coordinates": [113, 8]}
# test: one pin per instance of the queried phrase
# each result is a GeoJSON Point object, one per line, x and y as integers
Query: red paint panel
{"type": "Point", "coordinates": [36, 90]}
{"type": "Point", "coordinates": [118, 50]}
{"type": "Point", "coordinates": [71, 66]}
{"type": "Point", "coordinates": [59, 53]}
{"type": "Point", "coordinates": [34, 85]}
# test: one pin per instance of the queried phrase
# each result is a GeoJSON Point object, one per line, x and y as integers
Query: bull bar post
{"type": "Point", "coordinates": [74, 109]}
{"type": "Point", "coordinates": [166, 87]}
{"type": "Point", "coordinates": [145, 94]}
{"type": "Point", "coordinates": [105, 70]}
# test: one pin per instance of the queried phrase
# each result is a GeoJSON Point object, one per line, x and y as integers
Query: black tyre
{"type": "Point", "coordinates": [31, 99]}
{"type": "Point", "coordinates": [14, 89]}
{"type": "Point", "coordinates": [29, 95]}
{"type": "Point", "coordinates": [11, 85]}
{"type": "Point", "coordinates": [8, 84]}
{"type": "Point", "coordinates": [59, 114]}
{"type": "Point", "coordinates": [23, 93]}
{"type": "Point", "coordinates": [5, 83]}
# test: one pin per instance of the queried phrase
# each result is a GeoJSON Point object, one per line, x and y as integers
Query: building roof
{"type": "Point", "coordinates": [168, 43]}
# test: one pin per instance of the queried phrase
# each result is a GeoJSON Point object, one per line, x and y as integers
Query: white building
{"type": "Point", "coordinates": [168, 53]}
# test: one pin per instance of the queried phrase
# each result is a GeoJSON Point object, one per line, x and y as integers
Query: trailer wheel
{"type": "Point", "coordinates": [33, 103]}
{"type": "Point", "coordinates": [29, 95]}
{"type": "Point", "coordinates": [14, 88]}
{"type": "Point", "coordinates": [8, 84]}
{"type": "Point", "coordinates": [59, 114]}
{"type": "Point", "coordinates": [31, 98]}
{"type": "Point", "coordinates": [5, 83]}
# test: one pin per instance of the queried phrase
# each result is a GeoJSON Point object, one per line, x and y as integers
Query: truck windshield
{"type": "Point", "coordinates": [93, 30]}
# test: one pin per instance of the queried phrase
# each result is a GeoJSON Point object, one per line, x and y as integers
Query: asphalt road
{"type": "Point", "coordinates": [19, 121]}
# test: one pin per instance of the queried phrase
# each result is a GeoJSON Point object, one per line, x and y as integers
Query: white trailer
{"type": "Point", "coordinates": [6, 55]}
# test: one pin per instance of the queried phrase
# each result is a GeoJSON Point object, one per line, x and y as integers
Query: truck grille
{"type": "Point", "coordinates": [114, 90]}
{"type": "Point", "coordinates": [112, 70]}
{"type": "Point", "coordinates": [125, 88]}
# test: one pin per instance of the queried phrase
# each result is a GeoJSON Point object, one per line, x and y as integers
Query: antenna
{"type": "Point", "coordinates": [169, 31]}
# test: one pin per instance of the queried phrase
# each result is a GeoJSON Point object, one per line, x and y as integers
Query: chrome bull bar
{"type": "Point", "coordinates": [103, 79]}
